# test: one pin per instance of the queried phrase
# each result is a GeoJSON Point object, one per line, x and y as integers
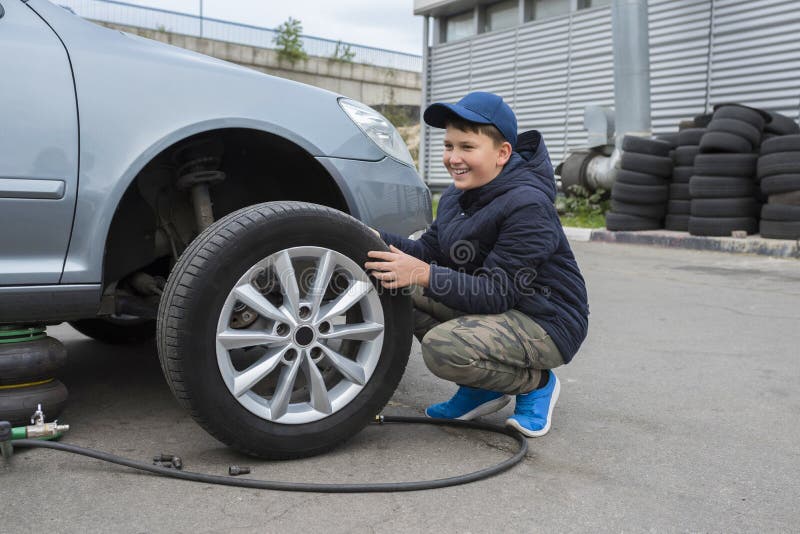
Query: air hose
{"type": "Point", "coordinates": [383, 487]}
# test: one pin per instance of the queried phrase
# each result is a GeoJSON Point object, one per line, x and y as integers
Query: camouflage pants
{"type": "Point", "coordinates": [504, 352]}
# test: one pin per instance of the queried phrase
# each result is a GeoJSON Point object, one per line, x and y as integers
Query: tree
{"type": "Point", "coordinates": [289, 41]}
{"type": "Point", "coordinates": [343, 52]}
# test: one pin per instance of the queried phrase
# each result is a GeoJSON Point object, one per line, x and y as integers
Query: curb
{"type": "Point", "coordinates": [754, 244]}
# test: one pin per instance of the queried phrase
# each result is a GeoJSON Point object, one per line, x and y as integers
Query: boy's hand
{"type": "Point", "coordinates": [398, 269]}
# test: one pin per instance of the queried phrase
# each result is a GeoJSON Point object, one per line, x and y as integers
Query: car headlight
{"type": "Point", "coordinates": [377, 128]}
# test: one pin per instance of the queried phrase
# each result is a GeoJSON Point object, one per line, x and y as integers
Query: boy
{"type": "Point", "coordinates": [504, 301]}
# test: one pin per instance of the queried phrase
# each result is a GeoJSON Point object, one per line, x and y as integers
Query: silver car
{"type": "Point", "coordinates": [149, 190]}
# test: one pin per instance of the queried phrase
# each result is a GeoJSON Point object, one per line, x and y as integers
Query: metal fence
{"type": "Point", "coordinates": [232, 32]}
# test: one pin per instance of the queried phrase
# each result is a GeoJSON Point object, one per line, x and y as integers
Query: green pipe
{"type": "Point", "coordinates": [21, 432]}
{"type": "Point", "coordinates": [20, 334]}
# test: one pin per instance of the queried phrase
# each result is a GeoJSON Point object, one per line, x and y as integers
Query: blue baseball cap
{"type": "Point", "coordinates": [479, 107]}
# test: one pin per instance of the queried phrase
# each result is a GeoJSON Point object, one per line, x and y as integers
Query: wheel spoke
{"type": "Point", "coordinates": [322, 280]}
{"type": "Point", "coordinates": [250, 296]}
{"type": "Point", "coordinates": [346, 300]}
{"type": "Point", "coordinates": [283, 391]}
{"type": "Point", "coordinates": [244, 381]}
{"type": "Point", "coordinates": [288, 279]}
{"type": "Point", "coordinates": [240, 339]}
{"type": "Point", "coordinates": [350, 369]}
{"type": "Point", "coordinates": [316, 386]}
{"type": "Point", "coordinates": [361, 331]}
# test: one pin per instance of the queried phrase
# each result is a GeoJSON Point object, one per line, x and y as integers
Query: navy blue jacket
{"type": "Point", "coordinates": [501, 246]}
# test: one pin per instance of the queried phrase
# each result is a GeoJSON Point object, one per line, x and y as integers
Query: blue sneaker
{"type": "Point", "coordinates": [468, 403]}
{"type": "Point", "coordinates": [534, 411]}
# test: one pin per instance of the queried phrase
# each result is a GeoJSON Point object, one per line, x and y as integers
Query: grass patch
{"type": "Point", "coordinates": [435, 201]}
{"type": "Point", "coordinates": [592, 220]}
{"type": "Point", "coordinates": [582, 208]}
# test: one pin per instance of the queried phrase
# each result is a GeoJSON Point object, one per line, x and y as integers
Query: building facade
{"type": "Point", "coordinates": [551, 58]}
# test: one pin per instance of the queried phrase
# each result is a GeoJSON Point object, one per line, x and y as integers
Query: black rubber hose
{"type": "Point", "coordinates": [383, 487]}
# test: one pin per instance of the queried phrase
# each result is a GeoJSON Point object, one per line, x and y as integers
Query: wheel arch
{"type": "Point", "coordinates": [246, 142]}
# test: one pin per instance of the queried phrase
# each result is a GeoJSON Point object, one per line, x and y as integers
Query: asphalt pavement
{"type": "Point", "coordinates": [681, 413]}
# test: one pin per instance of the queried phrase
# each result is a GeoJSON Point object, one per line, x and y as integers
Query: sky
{"type": "Point", "coordinates": [388, 24]}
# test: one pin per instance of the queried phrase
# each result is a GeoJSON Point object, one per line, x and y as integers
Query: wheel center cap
{"type": "Point", "coordinates": [304, 336]}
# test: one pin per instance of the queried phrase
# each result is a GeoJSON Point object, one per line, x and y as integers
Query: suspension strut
{"type": "Point", "coordinates": [198, 170]}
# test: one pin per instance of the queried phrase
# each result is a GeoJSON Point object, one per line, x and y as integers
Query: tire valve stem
{"type": "Point", "coordinates": [236, 470]}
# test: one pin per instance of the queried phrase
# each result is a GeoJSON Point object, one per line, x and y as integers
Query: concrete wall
{"type": "Point", "coordinates": [371, 85]}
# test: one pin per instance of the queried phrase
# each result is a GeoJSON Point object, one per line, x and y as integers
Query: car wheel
{"type": "Point", "coordinates": [274, 337]}
{"type": "Point", "coordinates": [117, 330]}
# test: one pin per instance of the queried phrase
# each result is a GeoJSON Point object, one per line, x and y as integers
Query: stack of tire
{"type": "Point", "coordinates": [639, 194]}
{"type": "Point", "coordinates": [678, 208]}
{"type": "Point", "coordinates": [29, 361]}
{"type": "Point", "coordinates": [779, 175]}
{"type": "Point", "coordinates": [723, 188]}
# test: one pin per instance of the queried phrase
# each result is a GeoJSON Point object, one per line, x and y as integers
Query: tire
{"type": "Point", "coordinates": [639, 178]}
{"type": "Point", "coordinates": [644, 145]}
{"type": "Point", "coordinates": [780, 212]}
{"type": "Point", "coordinates": [781, 125]}
{"type": "Point", "coordinates": [779, 163]}
{"type": "Point", "coordinates": [792, 198]}
{"type": "Point", "coordinates": [780, 229]}
{"type": "Point", "coordinates": [639, 194]}
{"type": "Point", "coordinates": [679, 207]}
{"type": "Point", "coordinates": [737, 127]}
{"type": "Point", "coordinates": [701, 121]}
{"type": "Point", "coordinates": [720, 187]}
{"type": "Point", "coordinates": [722, 226]}
{"type": "Point", "coordinates": [679, 192]}
{"type": "Point", "coordinates": [670, 138]}
{"type": "Point", "coordinates": [749, 115]}
{"type": "Point", "coordinates": [682, 175]}
{"type": "Point", "coordinates": [725, 207]}
{"type": "Point", "coordinates": [780, 183]}
{"type": "Point", "coordinates": [677, 223]}
{"type": "Point", "coordinates": [647, 164]}
{"type": "Point", "coordinates": [725, 142]}
{"type": "Point", "coordinates": [274, 417]}
{"type": "Point", "coordinates": [620, 222]}
{"type": "Point", "coordinates": [651, 211]}
{"type": "Point", "coordinates": [17, 405]}
{"type": "Point", "coordinates": [684, 156]}
{"type": "Point", "coordinates": [782, 143]}
{"type": "Point", "coordinates": [117, 330]}
{"type": "Point", "coordinates": [743, 165]}
{"type": "Point", "coordinates": [690, 136]}
{"type": "Point", "coordinates": [31, 361]}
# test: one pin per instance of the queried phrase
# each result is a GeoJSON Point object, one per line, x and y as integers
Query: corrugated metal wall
{"type": "Point", "coordinates": [702, 52]}
{"type": "Point", "coordinates": [679, 60]}
{"type": "Point", "coordinates": [755, 54]}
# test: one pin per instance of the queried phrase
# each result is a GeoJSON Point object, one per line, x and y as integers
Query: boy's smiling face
{"type": "Point", "coordinates": [472, 158]}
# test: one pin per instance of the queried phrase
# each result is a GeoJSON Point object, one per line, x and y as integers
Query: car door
{"type": "Point", "coordinates": [38, 148]}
